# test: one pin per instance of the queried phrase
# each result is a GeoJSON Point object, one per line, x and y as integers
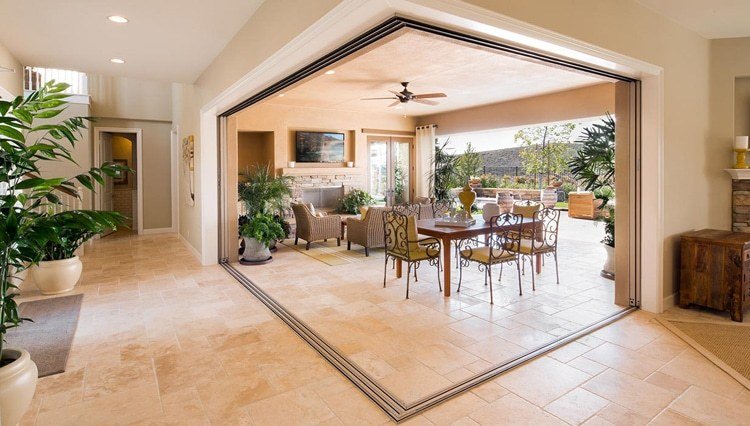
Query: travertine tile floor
{"type": "Point", "coordinates": [162, 340]}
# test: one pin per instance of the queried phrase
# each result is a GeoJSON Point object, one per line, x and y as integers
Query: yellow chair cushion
{"type": "Point", "coordinates": [526, 211]}
{"type": "Point", "coordinates": [482, 255]}
{"type": "Point", "coordinates": [363, 212]}
{"type": "Point", "coordinates": [423, 253]}
{"type": "Point", "coordinates": [411, 233]}
{"type": "Point", "coordinates": [529, 246]}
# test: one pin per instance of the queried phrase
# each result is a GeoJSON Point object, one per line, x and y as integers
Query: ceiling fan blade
{"type": "Point", "coordinates": [394, 104]}
{"type": "Point", "coordinates": [430, 95]}
{"type": "Point", "coordinates": [425, 101]}
{"type": "Point", "coordinates": [398, 95]}
{"type": "Point", "coordinates": [372, 99]}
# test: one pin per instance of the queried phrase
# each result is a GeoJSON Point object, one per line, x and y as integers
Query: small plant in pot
{"type": "Point", "coordinates": [262, 192]}
{"type": "Point", "coordinates": [351, 202]}
{"type": "Point", "coordinates": [258, 233]}
{"type": "Point", "coordinates": [26, 221]}
{"type": "Point", "coordinates": [60, 267]}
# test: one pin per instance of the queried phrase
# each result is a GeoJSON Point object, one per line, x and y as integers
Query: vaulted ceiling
{"type": "Point", "coordinates": [169, 40]}
{"type": "Point", "coordinates": [467, 74]}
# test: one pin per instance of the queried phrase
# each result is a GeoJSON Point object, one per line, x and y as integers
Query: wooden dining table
{"type": "Point", "coordinates": [447, 234]}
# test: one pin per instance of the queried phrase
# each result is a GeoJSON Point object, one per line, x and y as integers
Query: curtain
{"type": "Point", "coordinates": [425, 151]}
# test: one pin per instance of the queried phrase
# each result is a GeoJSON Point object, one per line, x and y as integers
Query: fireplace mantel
{"type": "Point", "coordinates": [739, 174]}
{"type": "Point", "coordinates": [309, 171]}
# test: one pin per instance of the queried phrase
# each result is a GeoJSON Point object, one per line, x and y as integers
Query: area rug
{"type": "Point", "coordinates": [726, 345]}
{"type": "Point", "coordinates": [331, 254]}
{"type": "Point", "coordinates": [49, 337]}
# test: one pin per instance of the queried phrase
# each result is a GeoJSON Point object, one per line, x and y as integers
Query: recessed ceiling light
{"type": "Point", "coordinates": [117, 61]}
{"type": "Point", "coordinates": [281, 95]}
{"type": "Point", "coordinates": [118, 19]}
{"type": "Point", "coordinates": [329, 72]}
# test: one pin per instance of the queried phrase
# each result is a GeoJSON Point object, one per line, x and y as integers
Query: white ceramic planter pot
{"type": "Point", "coordinates": [608, 270]}
{"type": "Point", "coordinates": [57, 276]}
{"type": "Point", "coordinates": [255, 251]}
{"type": "Point", "coordinates": [18, 279]}
{"type": "Point", "coordinates": [17, 385]}
{"type": "Point", "coordinates": [489, 210]}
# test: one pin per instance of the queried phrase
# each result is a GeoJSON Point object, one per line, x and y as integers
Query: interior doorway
{"type": "Point", "coordinates": [120, 193]}
{"type": "Point", "coordinates": [390, 165]}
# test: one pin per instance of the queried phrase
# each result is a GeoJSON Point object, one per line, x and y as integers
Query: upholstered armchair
{"type": "Point", "coordinates": [312, 227]}
{"type": "Point", "coordinates": [367, 231]}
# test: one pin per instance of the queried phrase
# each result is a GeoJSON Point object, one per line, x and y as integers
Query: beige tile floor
{"type": "Point", "coordinates": [162, 340]}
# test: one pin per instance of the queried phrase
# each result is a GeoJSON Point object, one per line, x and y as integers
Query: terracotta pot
{"type": "Point", "coordinates": [255, 251]}
{"type": "Point", "coordinates": [57, 276]}
{"type": "Point", "coordinates": [549, 197]}
{"type": "Point", "coordinates": [505, 201]}
{"type": "Point", "coordinates": [489, 210]}
{"type": "Point", "coordinates": [608, 270]}
{"type": "Point", "coordinates": [17, 385]}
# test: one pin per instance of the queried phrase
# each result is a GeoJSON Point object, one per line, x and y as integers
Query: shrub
{"type": "Point", "coordinates": [351, 202]}
{"type": "Point", "coordinates": [489, 181]}
{"type": "Point", "coordinates": [264, 228]}
{"type": "Point", "coordinates": [567, 188]}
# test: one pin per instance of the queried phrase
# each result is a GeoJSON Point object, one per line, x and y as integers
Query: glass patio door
{"type": "Point", "coordinates": [389, 169]}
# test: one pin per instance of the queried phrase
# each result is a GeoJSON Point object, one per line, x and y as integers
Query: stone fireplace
{"type": "Point", "coordinates": [740, 199]}
{"type": "Point", "coordinates": [323, 186]}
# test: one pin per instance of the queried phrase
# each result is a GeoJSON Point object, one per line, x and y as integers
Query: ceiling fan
{"type": "Point", "coordinates": [405, 96]}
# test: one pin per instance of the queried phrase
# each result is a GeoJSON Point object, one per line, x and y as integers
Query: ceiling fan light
{"type": "Point", "coordinates": [118, 19]}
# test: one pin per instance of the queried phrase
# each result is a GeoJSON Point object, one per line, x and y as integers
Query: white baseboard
{"type": "Point", "coordinates": [190, 247]}
{"type": "Point", "coordinates": [670, 301]}
{"type": "Point", "coordinates": [157, 231]}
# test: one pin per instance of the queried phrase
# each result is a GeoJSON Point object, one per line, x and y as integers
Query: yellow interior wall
{"type": "Point", "coordinates": [253, 149]}
{"type": "Point", "coordinates": [122, 149]}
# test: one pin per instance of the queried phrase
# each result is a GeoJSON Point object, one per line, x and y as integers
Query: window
{"type": "Point", "coordinates": [34, 77]}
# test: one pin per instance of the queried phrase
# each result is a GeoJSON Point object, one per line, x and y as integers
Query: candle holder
{"type": "Point", "coordinates": [740, 161]}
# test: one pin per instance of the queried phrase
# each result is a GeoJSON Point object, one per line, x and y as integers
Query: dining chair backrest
{"type": "Point", "coordinates": [396, 233]}
{"type": "Point", "coordinates": [408, 209]}
{"type": "Point", "coordinates": [546, 225]}
{"type": "Point", "coordinates": [527, 208]}
{"type": "Point", "coordinates": [441, 207]}
{"type": "Point", "coordinates": [504, 238]}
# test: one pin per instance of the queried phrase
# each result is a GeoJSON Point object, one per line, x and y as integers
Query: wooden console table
{"type": "Point", "coordinates": [715, 270]}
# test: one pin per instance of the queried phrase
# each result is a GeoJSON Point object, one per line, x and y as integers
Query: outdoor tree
{"type": "Point", "coordinates": [469, 164]}
{"type": "Point", "coordinates": [545, 148]}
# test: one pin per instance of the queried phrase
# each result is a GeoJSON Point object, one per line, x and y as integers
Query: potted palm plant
{"type": "Point", "coordinates": [60, 267]}
{"type": "Point", "coordinates": [594, 167]}
{"type": "Point", "coordinates": [26, 226]}
{"type": "Point", "coordinates": [263, 193]}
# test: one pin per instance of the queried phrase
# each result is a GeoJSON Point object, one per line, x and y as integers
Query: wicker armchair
{"type": "Point", "coordinates": [311, 227]}
{"type": "Point", "coordinates": [368, 231]}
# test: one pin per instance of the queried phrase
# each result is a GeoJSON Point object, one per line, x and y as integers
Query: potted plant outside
{"type": "Point", "coordinates": [60, 267]}
{"type": "Point", "coordinates": [258, 233]}
{"type": "Point", "coordinates": [25, 222]}
{"type": "Point", "coordinates": [594, 167]}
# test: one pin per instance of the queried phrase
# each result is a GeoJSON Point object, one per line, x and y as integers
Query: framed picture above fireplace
{"type": "Point", "coordinates": [319, 147]}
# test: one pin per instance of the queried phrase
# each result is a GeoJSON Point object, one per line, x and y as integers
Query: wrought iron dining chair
{"type": "Point", "coordinates": [402, 243]}
{"type": "Point", "coordinates": [540, 239]}
{"type": "Point", "coordinates": [441, 207]}
{"type": "Point", "coordinates": [500, 247]}
{"type": "Point", "coordinates": [409, 209]}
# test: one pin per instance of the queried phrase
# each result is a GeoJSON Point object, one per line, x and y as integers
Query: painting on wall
{"type": "Point", "coordinates": [188, 159]}
{"type": "Point", "coordinates": [120, 177]}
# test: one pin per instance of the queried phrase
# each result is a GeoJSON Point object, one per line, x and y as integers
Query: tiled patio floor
{"type": "Point", "coordinates": [163, 340]}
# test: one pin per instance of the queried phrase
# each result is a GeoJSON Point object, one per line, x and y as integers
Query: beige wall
{"type": "Point", "coordinates": [284, 121]}
{"type": "Point", "coordinates": [618, 25]}
{"type": "Point", "coordinates": [155, 170]}
{"type": "Point", "coordinates": [121, 97]}
{"type": "Point", "coordinates": [591, 101]}
{"type": "Point", "coordinates": [742, 106]}
{"type": "Point", "coordinates": [10, 81]}
{"type": "Point", "coordinates": [254, 149]}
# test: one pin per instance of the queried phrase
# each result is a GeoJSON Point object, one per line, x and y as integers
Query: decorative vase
{"type": "Point", "coordinates": [17, 385]}
{"type": "Point", "coordinates": [57, 276]}
{"type": "Point", "coordinates": [490, 210]}
{"type": "Point", "coordinates": [467, 197]}
{"type": "Point", "coordinates": [608, 270]}
{"type": "Point", "coordinates": [505, 201]}
{"type": "Point", "coordinates": [255, 251]}
{"type": "Point", "coordinates": [548, 197]}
